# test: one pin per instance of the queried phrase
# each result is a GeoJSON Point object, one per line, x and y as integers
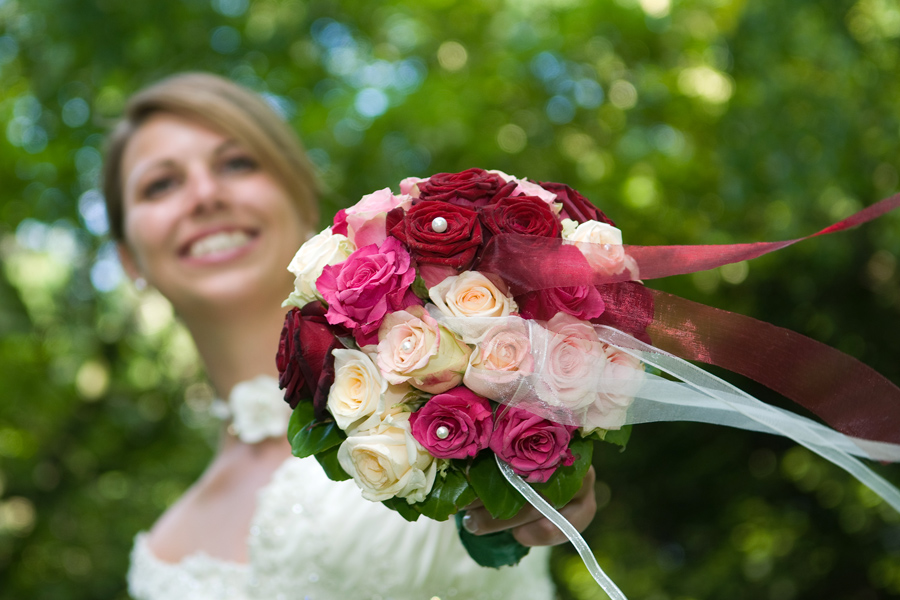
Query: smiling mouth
{"type": "Point", "coordinates": [219, 243]}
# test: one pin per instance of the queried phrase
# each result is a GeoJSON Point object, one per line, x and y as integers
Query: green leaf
{"type": "Point", "coordinates": [329, 461]}
{"type": "Point", "coordinates": [500, 498]}
{"type": "Point", "coordinates": [403, 507]}
{"type": "Point", "coordinates": [450, 494]}
{"type": "Point", "coordinates": [617, 437]}
{"type": "Point", "coordinates": [308, 436]}
{"type": "Point", "coordinates": [493, 549]}
{"type": "Point", "coordinates": [566, 481]}
{"type": "Point", "coordinates": [419, 288]}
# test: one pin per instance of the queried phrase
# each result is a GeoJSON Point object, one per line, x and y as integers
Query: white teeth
{"type": "Point", "coordinates": [219, 242]}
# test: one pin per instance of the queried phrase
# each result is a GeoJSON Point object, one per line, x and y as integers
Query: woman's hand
{"type": "Point", "coordinates": [529, 527]}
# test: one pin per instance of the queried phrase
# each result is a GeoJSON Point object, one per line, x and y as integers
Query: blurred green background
{"type": "Point", "coordinates": [687, 121]}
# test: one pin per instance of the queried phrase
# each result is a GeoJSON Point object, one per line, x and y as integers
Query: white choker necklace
{"type": "Point", "coordinates": [257, 409]}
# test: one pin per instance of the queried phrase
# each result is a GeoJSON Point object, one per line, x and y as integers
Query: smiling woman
{"type": "Point", "coordinates": [209, 195]}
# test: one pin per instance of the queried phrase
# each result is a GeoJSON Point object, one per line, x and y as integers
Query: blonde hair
{"type": "Point", "coordinates": [227, 108]}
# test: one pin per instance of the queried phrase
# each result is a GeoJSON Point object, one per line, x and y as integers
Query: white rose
{"type": "Point", "coordinates": [358, 388]}
{"type": "Point", "coordinates": [324, 249]}
{"type": "Point", "coordinates": [601, 245]}
{"type": "Point", "coordinates": [386, 461]}
{"type": "Point", "coordinates": [258, 409]}
{"type": "Point", "coordinates": [471, 294]}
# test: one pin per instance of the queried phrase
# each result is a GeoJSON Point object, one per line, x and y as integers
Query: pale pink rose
{"type": "Point", "coordinates": [500, 359]}
{"type": "Point", "coordinates": [526, 188]}
{"type": "Point", "coordinates": [414, 348]}
{"type": "Point", "coordinates": [410, 186]}
{"type": "Point", "coordinates": [366, 219]}
{"type": "Point", "coordinates": [574, 364]}
{"type": "Point", "coordinates": [471, 294]}
{"type": "Point", "coordinates": [622, 378]}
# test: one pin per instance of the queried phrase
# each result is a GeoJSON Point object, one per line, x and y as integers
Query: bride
{"type": "Point", "coordinates": [209, 195]}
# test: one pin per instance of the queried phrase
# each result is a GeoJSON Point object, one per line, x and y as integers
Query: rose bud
{"type": "Point", "coordinates": [305, 362]}
{"type": "Point", "coordinates": [533, 446]}
{"type": "Point", "coordinates": [455, 424]}
{"type": "Point", "coordinates": [574, 205]}
{"type": "Point", "coordinates": [472, 188]}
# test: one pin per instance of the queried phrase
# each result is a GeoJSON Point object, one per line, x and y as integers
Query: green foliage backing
{"type": "Point", "coordinates": [697, 121]}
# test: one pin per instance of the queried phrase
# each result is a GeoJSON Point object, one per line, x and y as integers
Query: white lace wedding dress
{"type": "Point", "coordinates": [316, 539]}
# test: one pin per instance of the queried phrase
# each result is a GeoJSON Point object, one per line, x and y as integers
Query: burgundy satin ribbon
{"type": "Point", "coordinates": [848, 395]}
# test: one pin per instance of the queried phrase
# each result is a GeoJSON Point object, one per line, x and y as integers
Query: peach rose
{"type": "Point", "coordinates": [471, 294]}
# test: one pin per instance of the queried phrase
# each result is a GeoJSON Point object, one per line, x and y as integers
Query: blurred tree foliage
{"type": "Point", "coordinates": [695, 121]}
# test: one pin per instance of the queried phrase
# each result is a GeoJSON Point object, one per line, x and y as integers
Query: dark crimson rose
{"type": "Point", "coordinates": [451, 242]}
{"type": "Point", "coordinates": [583, 302]}
{"type": "Point", "coordinates": [525, 215]}
{"type": "Point", "coordinates": [455, 424]}
{"type": "Point", "coordinates": [533, 446]}
{"type": "Point", "coordinates": [575, 206]}
{"type": "Point", "coordinates": [304, 359]}
{"type": "Point", "coordinates": [472, 188]}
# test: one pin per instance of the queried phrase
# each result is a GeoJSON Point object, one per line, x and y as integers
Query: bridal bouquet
{"type": "Point", "coordinates": [474, 336]}
{"type": "Point", "coordinates": [409, 366]}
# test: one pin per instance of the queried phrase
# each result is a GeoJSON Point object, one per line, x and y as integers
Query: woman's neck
{"type": "Point", "coordinates": [236, 348]}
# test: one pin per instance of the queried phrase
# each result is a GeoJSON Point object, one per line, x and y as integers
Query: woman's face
{"type": "Point", "coordinates": [204, 222]}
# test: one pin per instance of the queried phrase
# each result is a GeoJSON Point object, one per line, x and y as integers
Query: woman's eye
{"type": "Point", "coordinates": [158, 187]}
{"type": "Point", "coordinates": [239, 164]}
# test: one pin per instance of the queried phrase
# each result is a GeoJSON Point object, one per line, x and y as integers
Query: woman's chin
{"type": "Point", "coordinates": [235, 289]}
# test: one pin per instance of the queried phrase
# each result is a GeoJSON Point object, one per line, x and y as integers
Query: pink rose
{"type": "Point", "coordinates": [582, 302]}
{"type": "Point", "coordinates": [366, 219]}
{"type": "Point", "coordinates": [416, 349]}
{"type": "Point", "coordinates": [455, 424]}
{"type": "Point", "coordinates": [500, 359]}
{"type": "Point", "coordinates": [575, 362]}
{"type": "Point", "coordinates": [410, 186]}
{"type": "Point", "coordinates": [372, 282]}
{"type": "Point", "coordinates": [533, 446]}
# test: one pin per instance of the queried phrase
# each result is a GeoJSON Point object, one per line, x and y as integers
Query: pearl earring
{"type": "Point", "coordinates": [140, 284]}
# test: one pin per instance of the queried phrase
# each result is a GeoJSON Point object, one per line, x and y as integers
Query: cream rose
{"type": "Point", "coordinates": [358, 389]}
{"type": "Point", "coordinates": [324, 249]}
{"type": "Point", "coordinates": [601, 244]}
{"type": "Point", "coordinates": [471, 294]}
{"type": "Point", "coordinates": [386, 461]}
{"type": "Point", "coordinates": [413, 347]}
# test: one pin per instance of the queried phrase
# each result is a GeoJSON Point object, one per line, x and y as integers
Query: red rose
{"type": "Point", "coordinates": [455, 424]}
{"type": "Point", "coordinates": [525, 215]}
{"type": "Point", "coordinates": [453, 244]}
{"type": "Point", "coordinates": [575, 206]}
{"type": "Point", "coordinates": [533, 446]}
{"type": "Point", "coordinates": [304, 359]}
{"type": "Point", "coordinates": [583, 302]}
{"type": "Point", "coordinates": [471, 188]}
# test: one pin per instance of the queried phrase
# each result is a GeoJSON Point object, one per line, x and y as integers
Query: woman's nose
{"type": "Point", "coordinates": [205, 189]}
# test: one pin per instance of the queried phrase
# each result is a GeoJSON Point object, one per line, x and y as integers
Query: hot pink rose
{"type": "Point", "coordinates": [455, 424]}
{"type": "Point", "coordinates": [372, 282]}
{"type": "Point", "coordinates": [583, 302]}
{"type": "Point", "coordinates": [533, 446]}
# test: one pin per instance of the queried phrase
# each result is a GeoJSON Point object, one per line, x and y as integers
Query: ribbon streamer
{"type": "Point", "coordinates": [584, 551]}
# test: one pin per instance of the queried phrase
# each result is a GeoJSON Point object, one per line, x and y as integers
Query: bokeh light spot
{"type": "Point", "coordinates": [512, 138]}
{"type": "Point", "coordinates": [452, 56]}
